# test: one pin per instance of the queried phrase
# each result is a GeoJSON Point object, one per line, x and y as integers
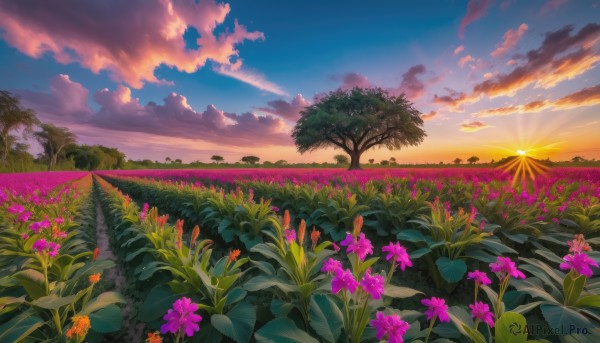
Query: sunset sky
{"type": "Point", "coordinates": [187, 80]}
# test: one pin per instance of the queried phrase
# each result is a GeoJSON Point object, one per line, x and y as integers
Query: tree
{"type": "Point", "coordinates": [53, 140]}
{"type": "Point", "coordinates": [340, 159]}
{"type": "Point", "coordinates": [371, 160]}
{"type": "Point", "coordinates": [217, 158]}
{"type": "Point", "coordinates": [281, 162]}
{"type": "Point", "coordinates": [578, 159]}
{"type": "Point", "coordinates": [473, 159]}
{"type": "Point", "coordinates": [178, 161]}
{"type": "Point", "coordinates": [167, 159]}
{"type": "Point", "coordinates": [250, 159]}
{"type": "Point", "coordinates": [384, 162]}
{"type": "Point", "coordinates": [358, 120]}
{"type": "Point", "coordinates": [393, 160]}
{"type": "Point", "coordinates": [457, 161]}
{"type": "Point", "coordinates": [13, 117]}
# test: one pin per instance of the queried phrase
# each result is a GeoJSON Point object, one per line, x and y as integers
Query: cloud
{"type": "Point", "coordinates": [476, 9]}
{"type": "Point", "coordinates": [128, 39]}
{"type": "Point", "coordinates": [250, 77]}
{"type": "Point", "coordinates": [473, 126]}
{"type": "Point", "coordinates": [459, 49]}
{"type": "Point", "coordinates": [411, 85]}
{"type": "Point", "coordinates": [562, 56]}
{"type": "Point", "coordinates": [453, 100]}
{"type": "Point", "coordinates": [488, 75]}
{"type": "Point", "coordinates": [551, 5]}
{"type": "Point", "coordinates": [511, 39]}
{"type": "Point", "coordinates": [120, 111]}
{"type": "Point", "coordinates": [65, 99]}
{"type": "Point", "coordinates": [589, 96]}
{"type": "Point", "coordinates": [464, 60]}
{"type": "Point", "coordinates": [429, 116]}
{"type": "Point", "coordinates": [286, 110]}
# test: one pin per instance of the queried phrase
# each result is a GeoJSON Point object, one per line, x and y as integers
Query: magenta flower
{"type": "Point", "coordinates": [24, 236]}
{"type": "Point", "coordinates": [290, 235]}
{"type": "Point", "coordinates": [59, 220]}
{"type": "Point", "coordinates": [373, 284]}
{"type": "Point", "coordinates": [24, 217]}
{"type": "Point", "coordinates": [16, 209]}
{"type": "Point", "coordinates": [399, 252]}
{"type": "Point", "coordinates": [40, 245]}
{"type": "Point", "coordinates": [504, 267]}
{"type": "Point", "coordinates": [53, 249]}
{"type": "Point", "coordinates": [437, 308]}
{"type": "Point", "coordinates": [389, 327]}
{"type": "Point", "coordinates": [182, 318]}
{"type": "Point", "coordinates": [344, 279]}
{"type": "Point", "coordinates": [336, 247]}
{"type": "Point", "coordinates": [481, 311]}
{"type": "Point", "coordinates": [361, 246]}
{"type": "Point", "coordinates": [480, 278]}
{"type": "Point", "coordinates": [144, 212]}
{"type": "Point", "coordinates": [274, 208]}
{"type": "Point", "coordinates": [580, 263]}
{"type": "Point", "coordinates": [331, 266]}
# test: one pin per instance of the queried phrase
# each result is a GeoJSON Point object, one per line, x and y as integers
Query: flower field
{"type": "Point", "coordinates": [301, 255]}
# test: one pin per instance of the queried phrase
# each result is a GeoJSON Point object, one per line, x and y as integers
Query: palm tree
{"type": "Point", "coordinates": [13, 117]}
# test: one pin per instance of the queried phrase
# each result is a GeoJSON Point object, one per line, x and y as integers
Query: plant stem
{"type": "Point", "coordinates": [431, 323]}
{"type": "Point", "coordinates": [57, 323]}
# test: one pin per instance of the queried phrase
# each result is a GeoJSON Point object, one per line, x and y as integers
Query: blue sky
{"type": "Point", "coordinates": [86, 71]}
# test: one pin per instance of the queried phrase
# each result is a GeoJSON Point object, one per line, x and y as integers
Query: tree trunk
{"type": "Point", "coordinates": [5, 150]}
{"type": "Point", "coordinates": [354, 161]}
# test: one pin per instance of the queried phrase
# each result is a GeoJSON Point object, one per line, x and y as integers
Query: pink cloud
{"type": "Point", "coordinates": [250, 77]}
{"type": "Point", "coordinates": [411, 85]}
{"type": "Point", "coordinates": [429, 116]}
{"type": "Point", "coordinates": [473, 126]}
{"type": "Point", "coordinates": [551, 5]}
{"type": "Point", "coordinates": [476, 9]}
{"type": "Point", "coordinates": [459, 49]}
{"type": "Point", "coordinates": [175, 117]}
{"type": "Point", "coordinates": [286, 110]}
{"type": "Point", "coordinates": [129, 39]}
{"type": "Point", "coordinates": [464, 60]}
{"type": "Point", "coordinates": [511, 39]}
{"type": "Point", "coordinates": [351, 80]}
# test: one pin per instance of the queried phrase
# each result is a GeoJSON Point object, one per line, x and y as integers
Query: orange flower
{"type": "Point", "coordinates": [80, 327]}
{"type": "Point", "coordinates": [153, 337]}
{"type": "Point", "coordinates": [162, 220]}
{"type": "Point", "coordinates": [179, 229]}
{"type": "Point", "coordinates": [314, 237]}
{"type": "Point", "coordinates": [301, 231]}
{"type": "Point", "coordinates": [195, 234]}
{"type": "Point", "coordinates": [286, 219]}
{"type": "Point", "coordinates": [234, 254]}
{"type": "Point", "coordinates": [96, 252]}
{"type": "Point", "coordinates": [94, 278]}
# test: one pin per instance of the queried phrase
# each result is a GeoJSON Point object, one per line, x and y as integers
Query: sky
{"type": "Point", "coordinates": [190, 79]}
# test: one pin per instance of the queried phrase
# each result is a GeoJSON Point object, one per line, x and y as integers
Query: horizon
{"type": "Point", "coordinates": [190, 80]}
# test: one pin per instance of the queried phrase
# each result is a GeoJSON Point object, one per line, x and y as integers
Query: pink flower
{"type": "Point", "coordinates": [437, 309]}
{"type": "Point", "coordinates": [344, 279]}
{"type": "Point", "coordinates": [399, 252]}
{"type": "Point", "coordinates": [480, 278]}
{"type": "Point", "coordinates": [504, 267]}
{"type": "Point", "coordinates": [290, 235]}
{"type": "Point", "coordinates": [331, 266]}
{"type": "Point", "coordinates": [59, 220]}
{"type": "Point", "coordinates": [361, 246]}
{"type": "Point", "coordinates": [53, 249]}
{"type": "Point", "coordinates": [580, 263]}
{"type": "Point", "coordinates": [481, 311]}
{"type": "Point", "coordinates": [578, 245]}
{"type": "Point", "coordinates": [43, 246]}
{"type": "Point", "coordinates": [336, 247]}
{"type": "Point", "coordinates": [144, 212]}
{"type": "Point", "coordinates": [16, 209]}
{"type": "Point", "coordinates": [182, 318]}
{"type": "Point", "coordinates": [24, 236]}
{"type": "Point", "coordinates": [373, 284]}
{"type": "Point", "coordinates": [40, 245]}
{"type": "Point", "coordinates": [389, 327]}
{"type": "Point", "coordinates": [24, 217]}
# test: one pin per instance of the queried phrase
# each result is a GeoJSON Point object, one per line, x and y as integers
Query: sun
{"type": "Point", "coordinates": [522, 152]}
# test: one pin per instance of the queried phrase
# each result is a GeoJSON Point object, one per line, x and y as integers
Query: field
{"type": "Point", "coordinates": [300, 255]}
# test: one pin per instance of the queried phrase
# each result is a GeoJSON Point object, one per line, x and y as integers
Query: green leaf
{"type": "Point", "coordinates": [108, 319]}
{"type": "Point", "coordinates": [282, 330]}
{"type": "Point", "coordinates": [53, 301]}
{"type": "Point", "coordinates": [33, 282]}
{"type": "Point", "coordinates": [572, 288]}
{"type": "Point", "coordinates": [19, 327]}
{"type": "Point", "coordinates": [263, 282]}
{"type": "Point", "coordinates": [103, 300]}
{"type": "Point", "coordinates": [400, 292]}
{"type": "Point", "coordinates": [237, 324]}
{"type": "Point", "coordinates": [511, 328]}
{"type": "Point", "coordinates": [235, 295]}
{"type": "Point", "coordinates": [451, 270]}
{"type": "Point", "coordinates": [325, 317]}
{"type": "Point", "coordinates": [473, 334]}
{"type": "Point", "coordinates": [157, 303]}
{"type": "Point", "coordinates": [561, 317]}
{"type": "Point", "coordinates": [589, 301]}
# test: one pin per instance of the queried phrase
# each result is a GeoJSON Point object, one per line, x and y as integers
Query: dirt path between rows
{"type": "Point", "coordinates": [134, 332]}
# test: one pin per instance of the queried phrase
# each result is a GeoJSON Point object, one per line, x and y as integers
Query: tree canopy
{"type": "Point", "coordinates": [340, 159]}
{"type": "Point", "coordinates": [358, 120]}
{"type": "Point", "coordinates": [473, 159]}
{"type": "Point", "coordinates": [12, 117]}
{"type": "Point", "coordinates": [53, 140]}
{"type": "Point", "coordinates": [250, 159]}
